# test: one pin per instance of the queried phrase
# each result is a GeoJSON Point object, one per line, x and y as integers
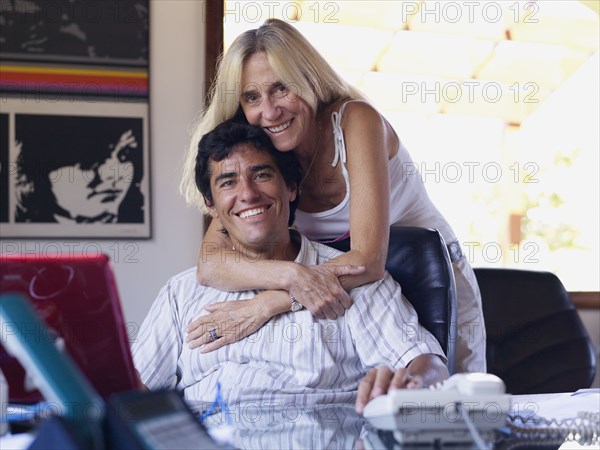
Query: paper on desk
{"type": "Point", "coordinates": [558, 406]}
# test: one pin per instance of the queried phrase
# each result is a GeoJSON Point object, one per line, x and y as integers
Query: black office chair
{"type": "Point", "coordinates": [418, 260]}
{"type": "Point", "coordinates": [536, 341]}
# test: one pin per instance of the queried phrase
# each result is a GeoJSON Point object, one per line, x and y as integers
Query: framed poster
{"type": "Point", "coordinates": [3, 167]}
{"type": "Point", "coordinates": [87, 48]}
{"type": "Point", "coordinates": [106, 32]}
{"type": "Point", "coordinates": [75, 169]}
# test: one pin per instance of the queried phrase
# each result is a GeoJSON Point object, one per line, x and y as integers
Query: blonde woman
{"type": "Point", "coordinates": [353, 186]}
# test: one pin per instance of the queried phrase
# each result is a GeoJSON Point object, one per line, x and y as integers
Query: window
{"type": "Point", "coordinates": [498, 105]}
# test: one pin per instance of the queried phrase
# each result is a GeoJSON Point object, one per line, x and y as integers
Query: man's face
{"type": "Point", "coordinates": [251, 199]}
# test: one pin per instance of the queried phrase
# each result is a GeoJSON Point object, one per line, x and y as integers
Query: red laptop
{"type": "Point", "coordinates": [77, 298]}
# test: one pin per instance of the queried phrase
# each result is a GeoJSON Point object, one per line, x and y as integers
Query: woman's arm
{"type": "Point", "coordinates": [316, 287]}
{"type": "Point", "coordinates": [369, 143]}
{"type": "Point", "coordinates": [233, 321]}
{"type": "Point", "coordinates": [222, 267]}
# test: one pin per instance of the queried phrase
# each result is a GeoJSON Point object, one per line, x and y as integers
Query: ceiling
{"type": "Point", "coordinates": [496, 58]}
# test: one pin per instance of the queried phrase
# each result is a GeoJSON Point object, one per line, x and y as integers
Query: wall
{"type": "Point", "coordinates": [176, 80]}
{"type": "Point", "coordinates": [176, 77]}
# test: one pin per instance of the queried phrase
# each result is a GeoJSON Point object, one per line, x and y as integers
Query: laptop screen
{"type": "Point", "coordinates": [77, 298]}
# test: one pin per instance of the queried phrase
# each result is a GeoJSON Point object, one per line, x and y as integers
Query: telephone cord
{"type": "Point", "coordinates": [477, 439]}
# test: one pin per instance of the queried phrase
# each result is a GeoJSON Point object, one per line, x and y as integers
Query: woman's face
{"type": "Point", "coordinates": [97, 191]}
{"type": "Point", "coordinates": [277, 108]}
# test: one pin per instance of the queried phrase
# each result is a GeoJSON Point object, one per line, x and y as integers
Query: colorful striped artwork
{"type": "Point", "coordinates": [71, 81]}
{"type": "Point", "coordinates": [74, 120]}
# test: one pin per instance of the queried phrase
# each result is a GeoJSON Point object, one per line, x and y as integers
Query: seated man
{"type": "Point", "coordinates": [295, 358]}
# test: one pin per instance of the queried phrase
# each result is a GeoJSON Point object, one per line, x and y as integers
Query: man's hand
{"type": "Point", "coordinates": [381, 380]}
{"type": "Point", "coordinates": [425, 370]}
{"type": "Point", "coordinates": [318, 289]}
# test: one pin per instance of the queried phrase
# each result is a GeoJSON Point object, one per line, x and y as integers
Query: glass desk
{"type": "Point", "coordinates": [339, 427]}
{"type": "Point", "coordinates": [265, 427]}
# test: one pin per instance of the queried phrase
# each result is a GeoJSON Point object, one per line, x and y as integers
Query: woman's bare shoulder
{"type": "Point", "coordinates": [360, 118]}
{"type": "Point", "coordinates": [356, 111]}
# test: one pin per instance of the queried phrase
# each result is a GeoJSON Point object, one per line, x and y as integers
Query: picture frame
{"type": "Point", "coordinates": [75, 169]}
{"type": "Point", "coordinates": [88, 32]}
{"type": "Point", "coordinates": [89, 49]}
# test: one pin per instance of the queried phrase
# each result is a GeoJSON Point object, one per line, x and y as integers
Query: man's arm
{"type": "Point", "coordinates": [158, 344]}
{"type": "Point", "coordinates": [423, 371]}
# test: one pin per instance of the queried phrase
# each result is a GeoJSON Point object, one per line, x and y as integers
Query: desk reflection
{"type": "Point", "coordinates": [266, 427]}
{"type": "Point", "coordinates": [293, 427]}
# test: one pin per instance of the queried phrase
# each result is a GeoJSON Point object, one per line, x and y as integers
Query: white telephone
{"type": "Point", "coordinates": [467, 407]}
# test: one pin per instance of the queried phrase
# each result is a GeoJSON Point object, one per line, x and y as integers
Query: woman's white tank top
{"type": "Point", "coordinates": [409, 203]}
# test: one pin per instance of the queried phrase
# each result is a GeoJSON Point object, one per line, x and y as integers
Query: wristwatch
{"type": "Point", "coordinates": [295, 305]}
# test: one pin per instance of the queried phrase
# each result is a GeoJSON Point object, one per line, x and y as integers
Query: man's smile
{"type": "Point", "coordinates": [252, 212]}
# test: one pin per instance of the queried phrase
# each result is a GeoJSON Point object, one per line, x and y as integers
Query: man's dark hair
{"type": "Point", "coordinates": [217, 145]}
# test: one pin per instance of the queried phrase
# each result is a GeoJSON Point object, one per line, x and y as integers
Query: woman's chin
{"type": "Point", "coordinates": [283, 145]}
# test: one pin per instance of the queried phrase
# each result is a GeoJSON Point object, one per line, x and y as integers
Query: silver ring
{"type": "Point", "coordinates": [213, 334]}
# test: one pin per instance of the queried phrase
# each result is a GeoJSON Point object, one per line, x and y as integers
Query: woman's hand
{"type": "Point", "coordinates": [318, 288]}
{"type": "Point", "coordinates": [231, 322]}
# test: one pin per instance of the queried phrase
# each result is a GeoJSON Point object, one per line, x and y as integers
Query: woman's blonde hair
{"type": "Point", "coordinates": [299, 65]}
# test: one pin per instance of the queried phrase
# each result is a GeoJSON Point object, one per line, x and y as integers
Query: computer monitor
{"type": "Point", "coordinates": [77, 298]}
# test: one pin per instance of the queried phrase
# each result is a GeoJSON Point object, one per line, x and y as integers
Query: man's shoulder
{"type": "Point", "coordinates": [184, 281]}
{"type": "Point", "coordinates": [314, 252]}
{"type": "Point", "coordinates": [185, 276]}
{"type": "Point", "coordinates": [317, 253]}
{"type": "Point", "coordinates": [184, 289]}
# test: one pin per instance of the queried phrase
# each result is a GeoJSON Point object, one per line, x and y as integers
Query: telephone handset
{"type": "Point", "coordinates": [470, 384]}
{"type": "Point", "coordinates": [467, 407]}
